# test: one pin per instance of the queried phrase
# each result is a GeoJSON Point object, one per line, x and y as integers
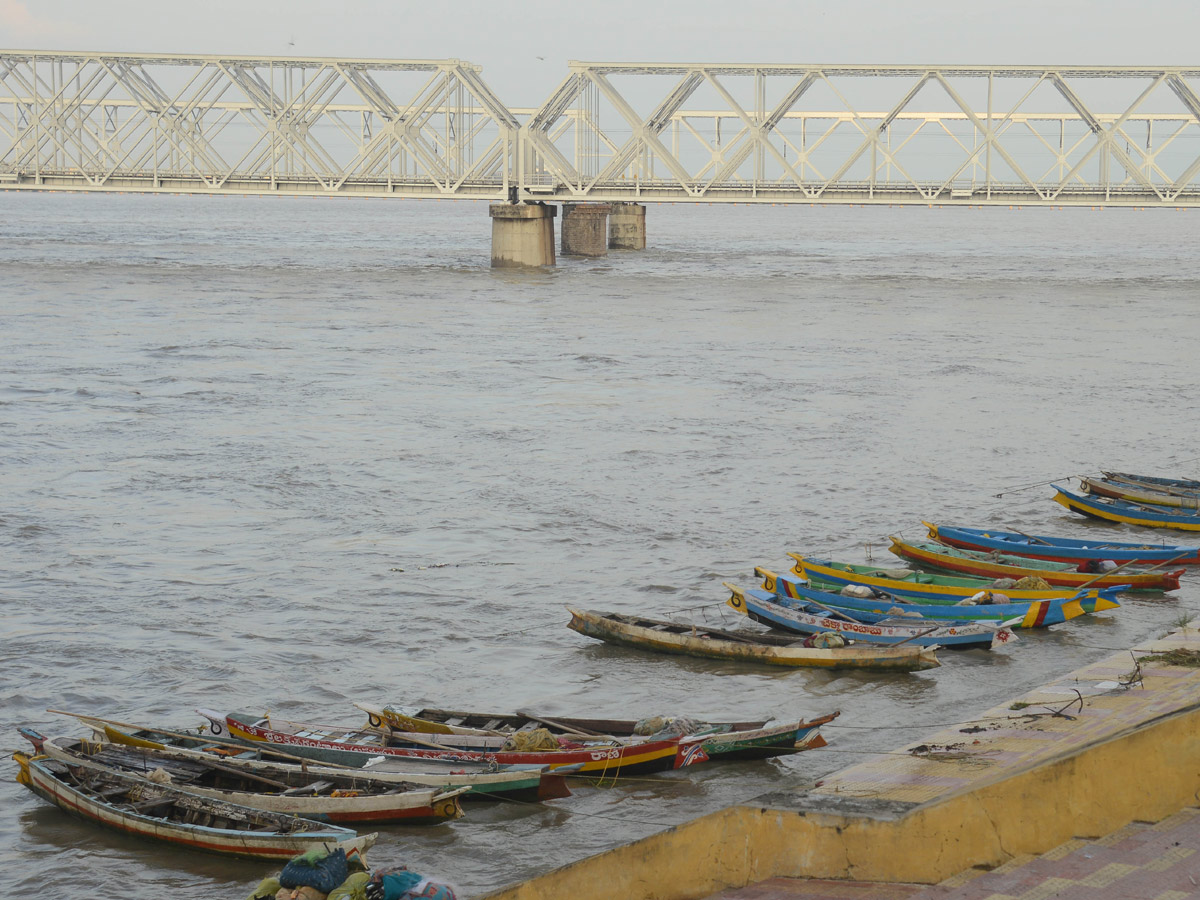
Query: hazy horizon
{"type": "Point", "coordinates": [524, 47]}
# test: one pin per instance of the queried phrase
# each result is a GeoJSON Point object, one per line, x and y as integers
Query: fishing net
{"type": "Point", "coordinates": [1033, 583]}
{"type": "Point", "coordinates": [531, 741]}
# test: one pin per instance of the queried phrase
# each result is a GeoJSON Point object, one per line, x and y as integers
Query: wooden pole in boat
{"type": "Point", "coordinates": [1129, 562]}
{"type": "Point", "coordinates": [915, 636]}
{"type": "Point", "coordinates": [1036, 540]}
{"type": "Point", "coordinates": [569, 730]}
{"type": "Point", "coordinates": [261, 747]}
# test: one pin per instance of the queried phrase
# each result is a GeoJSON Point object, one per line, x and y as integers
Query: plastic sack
{"type": "Point", "coordinates": [316, 869]}
{"type": "Point", "coordinates": [826, 640]}
{"type": "Point", "coordinates": [299, 893]}
{"type": "Point", "coordinates": [861, 591]}
{"type": "Point", "coordinates": [353, 888]}
{"type": "Point", "coordinates": [266, 890]}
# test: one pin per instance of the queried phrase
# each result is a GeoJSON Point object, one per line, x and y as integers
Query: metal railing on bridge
{"type": "Point", "coordinates": [1065, 135]}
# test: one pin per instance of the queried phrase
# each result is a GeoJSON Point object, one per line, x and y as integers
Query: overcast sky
{"type": "Point", "coordinates": [523, 46]}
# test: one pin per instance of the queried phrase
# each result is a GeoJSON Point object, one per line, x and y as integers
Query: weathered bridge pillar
{"type": "Point", "coordinates": [585, 229]}
{"type": "Point", "coordinates": [522, 234]}
{"type": "Point", "coordinates": [627, 227]}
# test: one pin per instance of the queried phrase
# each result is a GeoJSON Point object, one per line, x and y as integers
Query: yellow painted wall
{"type": "Point", "coordinates": [1146, 775]}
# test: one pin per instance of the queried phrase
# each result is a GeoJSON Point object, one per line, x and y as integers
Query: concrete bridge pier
{"type": "Point", "coordinates": [522, 234]}
{"type": "Point", "coordinates": [585, 229]}
{"type": "Point", "coordinates": [627, 227]}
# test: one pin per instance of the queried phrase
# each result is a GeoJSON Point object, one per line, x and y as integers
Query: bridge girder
{"type": "Point", "coordinates": [1052, 135]}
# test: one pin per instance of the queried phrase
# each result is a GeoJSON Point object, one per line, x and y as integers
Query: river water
{"type": "Point", "coordinates": [282, 455]}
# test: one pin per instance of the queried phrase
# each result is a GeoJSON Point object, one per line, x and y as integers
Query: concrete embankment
{"type": "Point", "coordinates": [1113, 743]}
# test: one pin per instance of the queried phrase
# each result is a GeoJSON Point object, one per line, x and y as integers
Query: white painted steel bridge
{"type": "Point", "coordinates": [1055, 135]}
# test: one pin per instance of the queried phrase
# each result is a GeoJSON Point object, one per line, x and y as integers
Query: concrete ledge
{"type": "Point", "coordinates": [1021, 785]}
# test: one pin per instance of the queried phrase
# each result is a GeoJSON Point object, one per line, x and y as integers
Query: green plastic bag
{"type": "Point", "coordinates": [353, 888]}
{"type": "Point", "coordinates": [266, 890]}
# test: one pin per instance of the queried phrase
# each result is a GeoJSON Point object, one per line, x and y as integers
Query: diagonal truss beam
{"type": "Point", "coordinates": [609, 131]}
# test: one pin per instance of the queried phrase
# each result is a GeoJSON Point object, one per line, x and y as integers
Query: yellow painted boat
{"type": "Point", "coordinates": [1164, 496]}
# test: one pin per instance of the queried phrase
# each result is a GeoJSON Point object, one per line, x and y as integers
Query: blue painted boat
{"type": "Point", "coordinates": [1072, 550]}
{"type": "Point", "coordinates": [814, 615]}
{"type": "Point", "coordinates": [1028, 614]}
{"type": "Point", "coordinates": [1127, 511]}
{"type": "Point", "coordinates": [930, 587]}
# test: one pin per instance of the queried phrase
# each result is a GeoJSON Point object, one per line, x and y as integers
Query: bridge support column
{"type": "Point", "coordinates": [627, 227]}
{"type": "Point", "coordinates": [522, 234]}
{"type": "Point", "coordinates": [585, 229]}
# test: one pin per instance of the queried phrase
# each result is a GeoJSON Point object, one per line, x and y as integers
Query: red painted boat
{"type": "Point", "coordinates": [605, 759]}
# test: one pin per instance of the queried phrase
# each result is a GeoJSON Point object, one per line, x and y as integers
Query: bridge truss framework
{"type": "Point", "coordinates": [608, 132]}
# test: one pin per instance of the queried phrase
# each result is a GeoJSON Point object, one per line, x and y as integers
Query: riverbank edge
{"type": "Point", "coordinates": [1115, 774]}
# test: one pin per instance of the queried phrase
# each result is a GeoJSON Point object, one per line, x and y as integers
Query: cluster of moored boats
{"type": "Point", "coordinates": [264, 787]}
{"type": "Point", "coordinates": [970, 588]}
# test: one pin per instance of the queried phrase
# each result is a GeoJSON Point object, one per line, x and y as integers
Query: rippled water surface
{"type": "Point", "coordinates": [283, 455]}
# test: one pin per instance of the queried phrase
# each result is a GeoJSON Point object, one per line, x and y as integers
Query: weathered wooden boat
{"type": "Point", "coordinates": [1023, 614]}
{"type": "Point", "coordinates": [931, 587]}
{"type": "Point", "coordinates": [144, 808]}
{"type": "Point", "coordinates": [1127, 511]}
{"type": "Point", "coordinates": [344, 797]}
{"type": "Point", "coordinates": [742, 646]}
{"type": "Point", "coordinates": [598, 758]}
{"type": "Point", "coordinates": [992, 564]}
{"type": "Point", "coordinates": [1187, 484]}
{"type": "Point", "coordinates": [719, 740]}
{"type": "Point", "coordinates": [1169, 497]}
{"type": "Point", "coordinates": [1068, 550]}
{"type": "Point", "coordinates": [811, 613]}
{"type": "Point", "coordinates": [487, 781]}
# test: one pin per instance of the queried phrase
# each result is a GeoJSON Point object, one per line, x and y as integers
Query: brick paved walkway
{"type": "Point", "coordinates": [1139, 862]}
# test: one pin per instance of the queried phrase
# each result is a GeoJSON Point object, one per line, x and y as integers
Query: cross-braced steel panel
{"type": "Point", "coordinates": [697, 132]}
{"type": "Point", "coordinates": [113, 121]}
{"type": "Point", "coordinates": [867, 134]}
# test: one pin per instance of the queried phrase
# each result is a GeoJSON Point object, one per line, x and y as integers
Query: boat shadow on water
{"type": "Point", "coordinates": [49, 827]}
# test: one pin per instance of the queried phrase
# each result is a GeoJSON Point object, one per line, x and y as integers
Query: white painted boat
{"type": "Point", "coordinates": [342, 797]}
{"type": "Point", "coordinates": [142, 808]}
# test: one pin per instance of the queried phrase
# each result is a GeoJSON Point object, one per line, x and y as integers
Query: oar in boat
{"type": "Point", "coordinates": [1130, 562]}
{"type": "Point", "coordinates": [260, 747]}
{"type": "Point", "coordinates": [409, 739]}
{"type": "Point", "coordinates": [569, 730]}
{"type": "Point", "coordinates": [1030, 537]}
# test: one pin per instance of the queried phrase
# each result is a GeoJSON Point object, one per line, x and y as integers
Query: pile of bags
{"type": "Point", "coordinates": [320, 875]}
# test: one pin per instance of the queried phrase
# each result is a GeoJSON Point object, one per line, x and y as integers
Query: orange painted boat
{"type": "Point", "coordinates": [929, 554]}
{"type": "Point", "coordinates": [599, 758]}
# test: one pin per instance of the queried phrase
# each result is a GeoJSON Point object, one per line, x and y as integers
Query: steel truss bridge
{"type": "Point", "coordinates": [1054, 135]}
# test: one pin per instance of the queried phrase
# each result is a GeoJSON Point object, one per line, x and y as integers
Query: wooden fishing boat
{"type": "Point", "coordinates": [1024, 614]}
{"type": "Point", "coordinates": [1187, 484]}
{"type": "Point", "coordinates": [598, 758]}
{"type": "Point", "coordinates": [931, 587]}
{"type": "Point", "coordinates": [992, 564]}
{"type": "Point", "coordinates": [1068, 550]}
{"type": "Point", "coordinates": [147, 809]}
{"type": "Point", "coordinates": [486, 781]}
{"type": "Point", "coordinates": [742, 646]}
{"type": "Point", "coordinates": [811, 613]}
{"type": "Point", "coordinates": [719, 740]}
{"type": "Point", "coordinates": [1127, 511]}
{"type": "Point", "coordinates": [342, 797]}
{"type": "Point", "coordinates": [1155, 496]}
